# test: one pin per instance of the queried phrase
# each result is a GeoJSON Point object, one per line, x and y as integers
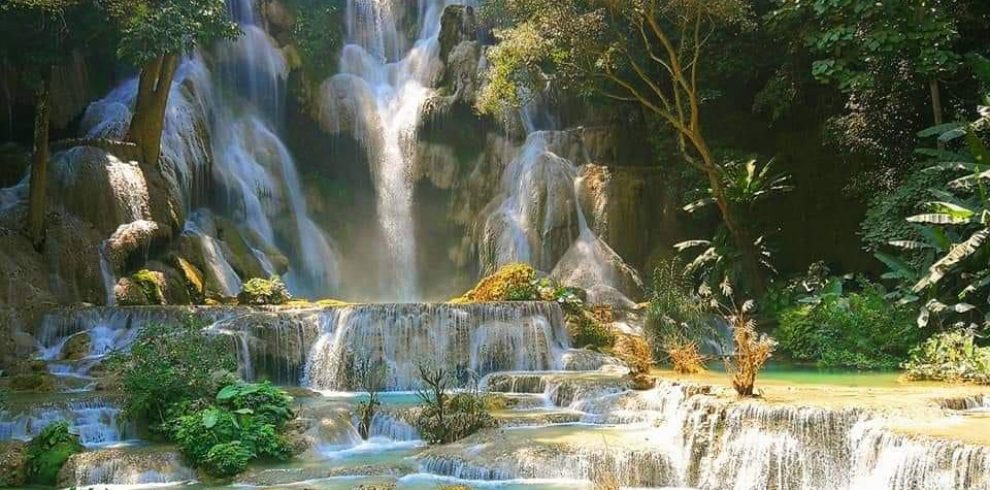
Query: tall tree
{"type": "Point", "coordinates": [648, 52]}
{"type": "Point", "coordinates": [154, 36]}
{"type": "Point", "coordinates": [35, 36]}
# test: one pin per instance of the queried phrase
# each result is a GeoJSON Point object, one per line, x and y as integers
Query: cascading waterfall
{"type": "Point", "coordinates": [389, 86]}
{"type": "Point", "coordinates": [252, 171]}
{"type": "Point", "coordinates": [97, 421]}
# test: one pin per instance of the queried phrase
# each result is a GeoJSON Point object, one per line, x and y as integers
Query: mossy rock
{"type": "Point", "coordinates": [76, 348]}
{"type": "Point", "coordinates": [129, 293]}
{"type": "Point", "coordinates": [193, 278]}
{"type": "Point", "coordinates": [152, 283]}
{"type": "Point", "coordinates": [587, 330]}
{"type": "Point", "coordinates": [13, 467]}
{"type": "Point", "coordinates": [48, 452]}
{"type": "Point", "coordinates": [512, 282]}
{"type": "Point", "coordinates": [259, 292]}
{"type": "Point", "coordinates": [37, 382]}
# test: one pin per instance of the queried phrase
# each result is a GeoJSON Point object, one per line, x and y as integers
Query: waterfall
{"type": "Point", "coordinates": [385, 86]}
{"type": "Point", "coordinates": [537, 218]}
{"type": "Point", "coordinates": [97, 421]}
{"type": "Point", "coordinates": [230, 117]}
{"type": "Point", "coordinates": [468, 340]}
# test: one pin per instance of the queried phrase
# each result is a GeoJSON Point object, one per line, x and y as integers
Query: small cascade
{"type": "Point", "coordinates": [125, 466]}
{"type": "Point", "coordinates": [97, 421]}
{"type": "Point", "coordinates": [200, 225]}
{"type": "Point", "coordinates": [471, 340]}
{"type": "Point", "coordinates": [537, 219]}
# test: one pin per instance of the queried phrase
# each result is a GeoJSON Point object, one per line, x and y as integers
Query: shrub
{"type": "Point", "coordinates": [245, 426]}
{"type": "Point", "coordinates": [445, 418]}
{"type": "Point", "coordinates": [259, 292]}
{"type": "Point", "coordinates": [262, 400]}
{"type": "Point", "coordinates": [170, 364]}
{"type": "Point", "coordinates": [227, 459]}
{"type": "Point", "coordinates": [635, 352]}
{"type": "Point", "coordinates": [753, 350]}
{"type": "Point", "coordinates": [48, 451]}
{"type": "Point", "coordinates": [685, 358]}
{"type": "Point", "coordinates": [950, 356]}
{"type": "Point", "coordinates": [864, 329]}
{"type": "Point", "coordinates": [588, 331]}
{"type": "Point", "coordinates": [675, 314]}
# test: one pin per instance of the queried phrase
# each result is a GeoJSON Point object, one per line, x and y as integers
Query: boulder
{"type": "Point", "coordinates": [129, 293]}
{"type": "Point", "coordinates": [457, 25]}
{"type": "Point", "coordinates": [131, 244]}
{"type": "Point", "coordinates": [36, 382]}
{"type": "Point", "coordinates": [76, 348]}
{"type": "Point", "coordinates": [13, 470]}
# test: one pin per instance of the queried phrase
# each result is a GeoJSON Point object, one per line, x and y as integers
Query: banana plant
{"type": "Point", "coordinates": [957, 226]}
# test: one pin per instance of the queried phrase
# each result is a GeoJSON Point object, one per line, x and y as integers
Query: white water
{"type": "Point", "coordinates": [381, 88]}
{"type": "Point", "coordinates": [98, 422]}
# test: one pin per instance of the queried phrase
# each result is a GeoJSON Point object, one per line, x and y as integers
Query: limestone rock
{"type": "Point", "coordinates": [457, 24]}
{"type": "Point", "coordinates": [129, 293]}
{"type": "Point", "coordinates": [131, 244]}
{"type": "Point", "coordinates": [13, 464]}
{"type": "Point", "coordinates": [76, 348]}
{"type": "Point", "coordinates": [124, 466]}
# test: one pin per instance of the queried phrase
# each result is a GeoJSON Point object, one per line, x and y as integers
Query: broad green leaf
{"type": "Point", "coordinates": [957, 254]}
{"type": "Point", "coordinates": [228, 392]}
{"type": "Point", "coordinates": [210, 418]}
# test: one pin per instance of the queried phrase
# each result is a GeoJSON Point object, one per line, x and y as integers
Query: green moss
{"type": "Point", "coordinates": [259, 291]}
{"type": "Point", "coordinates": [150, 283]}
{"type": "Point", "coordinates": [48, 451]}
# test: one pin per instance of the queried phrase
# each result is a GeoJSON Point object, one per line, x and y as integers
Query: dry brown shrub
{"type": "Point", "coordinates": [685, 357]}
{"type": "Point", "coordinates": [634, 351]}
{"type": "Point", "coordinates": [498, 286]}
{"type": "Point", "coordinates": [753, 350]}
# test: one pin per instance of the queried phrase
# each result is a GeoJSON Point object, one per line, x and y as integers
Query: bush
{"type": "Point", "coordinates": [675, 315]}
{"type": "Point", "coordinates": [587, 330]}
{"type": "Point", "coordinates": [863, 330]}
{"type": "Point", "coordinates": [635, 352]}
{"type": "Point", "coordinates": [950, 356]}
{"type": "Point", "coordinates": [227, 459]}
{"type": "Point", "coordinates": [171, 364]}
{"type": "Point", "coordinates": [260, 292]}
{"type": "Point", "coordinates": [244, 426]}
{"type": "Point", "coordinates": [685, 358]}
{"type": "Point", "coordinates": [445, 418]}
{"type": "Point", "coordinates": [753, 350]}
{"type": "Point", "coordinates": [48, 451]}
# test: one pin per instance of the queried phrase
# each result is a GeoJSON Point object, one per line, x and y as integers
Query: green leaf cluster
{"type": "Point", "coordinates": [48, 451]}
{"type": "Point", "coordinates": [950, 356]}
{"type": "Point", "coordinates": [260, 291]}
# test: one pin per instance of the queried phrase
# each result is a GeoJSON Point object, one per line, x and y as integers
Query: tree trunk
{"type": "Point", "coordinates": [148, 121]}
{"type": "Point", "coordinates": [37, 198]}
{"type": "Point", "coordinates": [748, 252]}
{"type": "Point", "coordinates": [936, 106]}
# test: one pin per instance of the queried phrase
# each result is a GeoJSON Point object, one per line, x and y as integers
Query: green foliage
{"type": "Point", "coordinates": [952, 232]}
{"type": "Point", "coordinates": [37, 34]}
{"type": "Point", "coordinates": [263, 400]}
{"type": "Point", "coordinates": [48, 451]}
{"type": "Point", "coordinates": [950, 356]}
{"type": "Point", "coordinates": [150, 285]}
{"type": "Point", "coordinates": [227, 459]}
{"type": "Point", "coordinates": [445, 418]}
{"type": "Point", "coordinates": [744, 186]}
{"type": "Point", "coordinates": [588, 331]}
{"type": "Point", "coordinates": [244, 425]}
{"type": "Point", "coordinates": [317, 34]}
{"type": "Point", "coordinates": [854, 38]}
{"type": "Point", "coordinates": [675, 315]}
{"type": "Point", "coordinates": [836, 328]}
{"type": "Point", "coordinates": [259, 291]}
{"type": "Point", "coordinates": [153, 28]}
{"type": "Point", "coordinates": [170, 364]}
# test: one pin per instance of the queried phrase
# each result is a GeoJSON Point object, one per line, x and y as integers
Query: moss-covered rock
{"type": "Point", "coordinates": [587, 330]}
{"type": "Point", "coordinates": [129, 293]}
{"type": "Point", "coordinates": [76, 348]}
{"type": "Point", "coordinates": [193, 278]}
{"type": "Point", "coordinates": [36, 382]}
{"type": "Point", "coordinates": [259, 291]}
{"type": "Point", "coordinates": [512, 282]}
{"type": "Point", "coordinates": [13, 468]}
{"type": "Point", "coordinates": [48, 451]}
{"type": "Point", "coordinates": [152, 284]}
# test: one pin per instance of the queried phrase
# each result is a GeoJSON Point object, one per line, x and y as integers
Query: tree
{"type": "Point", "coordinates": [861, 43]}
{"type": "Point", "coordinates": [37, 35]}
{"type": "Point", "coordinates": [647, 52]}
{"type": "Point", "coordinates": [154, 35]}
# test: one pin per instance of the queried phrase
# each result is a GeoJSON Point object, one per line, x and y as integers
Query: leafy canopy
{"type": "Point", "coordinates": [153, 28]}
